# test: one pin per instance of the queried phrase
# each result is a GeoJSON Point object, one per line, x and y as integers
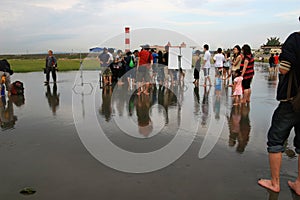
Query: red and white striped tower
{"type": "Point", "coordinates": [127, 39]}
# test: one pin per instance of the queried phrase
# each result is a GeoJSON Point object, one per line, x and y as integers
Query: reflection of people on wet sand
{"type": "Point", "coordinates": [196, 100]}
{"type": "Point", "coordinates": [7, 117]}
{"type": "Point", "coordinates": [285, 117]}
{"type": "Point", "coordinates": [106, 108]}
{"type": "Point", "coordinates": [142, 111]}
{"type": "Point", "coordinates": [205, 106]}
{"type": "Point", "coordinates": [239, 127]}
{"type": "Point", "coordinates": [53, 98]}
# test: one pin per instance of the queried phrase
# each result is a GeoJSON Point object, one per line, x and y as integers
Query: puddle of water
{"type": "Point", "coordinates": [41, 125]}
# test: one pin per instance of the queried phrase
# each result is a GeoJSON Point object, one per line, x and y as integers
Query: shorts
{"type": "Point", "coordinates": [107, 72]}
{"type": "Point", "coordinates": [206, 71]}
{"type": "Point", "coordinates": [283, 120]}
{"type": "Point", "coordinates": [246, 83]}
{"type": "Point", "coordinates": [142, 74]}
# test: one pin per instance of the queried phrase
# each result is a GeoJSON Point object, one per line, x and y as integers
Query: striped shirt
{"type": "Point", "coordinates": [249, 73]}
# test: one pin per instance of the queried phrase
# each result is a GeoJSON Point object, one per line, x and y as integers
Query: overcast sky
{"type": "Point", "coordinates": [33, 26]}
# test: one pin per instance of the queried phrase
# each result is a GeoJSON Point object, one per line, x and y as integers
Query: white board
{"type": "Point", "coordinates": [186, 58]}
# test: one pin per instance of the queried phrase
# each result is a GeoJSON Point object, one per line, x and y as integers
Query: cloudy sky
{"type": "Point", "coordinates": [33, 26]}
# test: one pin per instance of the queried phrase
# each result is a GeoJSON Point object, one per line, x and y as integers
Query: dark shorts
{"type": "Point", "coordinates": [246, 83]}
{"type": "Point", "coordinates": [143, 74]}
{"type": "Point", "coordinates": [206, 71]}
{"type": "Point", "coordinates": [283, 120]}
{"type": "Point", "coordinates": [107, 72]}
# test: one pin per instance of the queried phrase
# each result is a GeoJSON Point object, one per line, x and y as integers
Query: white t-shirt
{"type": "Point", "coordinates": [207, 59]}
{"type": "Point", "coordinates": [219, 59]}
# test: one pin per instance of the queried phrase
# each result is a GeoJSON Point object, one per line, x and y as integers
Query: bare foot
{"type": "Point", "coordinates": [268, 185]}
{"type": "Point", "coordinates": [295, 186]}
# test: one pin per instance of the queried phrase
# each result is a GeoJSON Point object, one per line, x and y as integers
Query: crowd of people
{"type": "Point", "coordinates": [152, 67]}
{"type": "Point", "coordinates": [140, 68]}
{"type": "Point", "coordinates": [239, 68]}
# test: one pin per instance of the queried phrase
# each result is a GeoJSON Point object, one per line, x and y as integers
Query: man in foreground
{"type": "Point", "coordinates": [285, 117]}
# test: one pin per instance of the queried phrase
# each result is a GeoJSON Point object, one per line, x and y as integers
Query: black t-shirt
{"type": "Point", "coordinates": [290, 60]}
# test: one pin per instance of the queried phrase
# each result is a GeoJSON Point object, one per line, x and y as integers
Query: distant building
{"type": "Point", "coordinates": [271, 49]}
{"type": "Point", "coordinates": [162, 48]}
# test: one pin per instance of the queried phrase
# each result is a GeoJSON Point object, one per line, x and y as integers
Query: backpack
{"type": "Point", "coordinates": [17, 88]}
{"type": "Point", "coordinates": [294, 100]}
{"type": "Point", "coordinates": [131, 62]}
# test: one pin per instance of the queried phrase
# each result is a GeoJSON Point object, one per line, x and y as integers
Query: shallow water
{"type": "Point", "coordinates": [40, 146]}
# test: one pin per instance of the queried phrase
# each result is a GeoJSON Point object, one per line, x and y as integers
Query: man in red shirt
{"type": "Point", "coordinates": [276, 62]}
{"type": "Point", "coordinates": [144, 65]}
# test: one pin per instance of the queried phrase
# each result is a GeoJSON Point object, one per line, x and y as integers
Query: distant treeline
{"type": "Point", "coordinates": [42, 56]}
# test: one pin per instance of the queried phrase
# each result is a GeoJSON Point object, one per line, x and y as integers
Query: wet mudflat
{"type": "Point", "coordinates": [40, 146]}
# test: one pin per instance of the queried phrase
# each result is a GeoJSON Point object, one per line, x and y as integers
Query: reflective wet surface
{"type": "Point", "coordinates": [40, 146]}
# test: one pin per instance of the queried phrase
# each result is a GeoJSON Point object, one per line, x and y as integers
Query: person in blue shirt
{"type": "Point", "coordinates": [155, 64]}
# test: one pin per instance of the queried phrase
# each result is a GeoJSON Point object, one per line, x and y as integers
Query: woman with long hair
{"type": "Point", "coordinates": [236, 61]}
{"type": "Point", "coordinates": [247, 69]}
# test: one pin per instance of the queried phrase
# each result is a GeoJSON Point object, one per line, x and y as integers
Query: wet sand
{"type": "Point", "coordinates": [44, 151]}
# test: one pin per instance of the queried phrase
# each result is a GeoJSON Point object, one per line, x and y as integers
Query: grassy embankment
{"type": "Point", "coordinates": [34, 63]}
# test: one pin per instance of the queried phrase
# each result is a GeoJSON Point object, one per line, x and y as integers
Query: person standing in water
{"type": "Point", "coordinates": [285, 117]}
{"type": "Point", "coordinates": [51, 66]}
{"type": "Point", "coordinates": [206, 64]}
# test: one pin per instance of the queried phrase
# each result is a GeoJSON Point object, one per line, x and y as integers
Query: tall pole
{"type": "Point", "coordinates": [127, 39]}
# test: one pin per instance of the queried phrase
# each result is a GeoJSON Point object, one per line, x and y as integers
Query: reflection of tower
{"type": "Point", "coordinates": [127, 39]}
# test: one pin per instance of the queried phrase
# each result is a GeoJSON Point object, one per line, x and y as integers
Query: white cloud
{"type": "Point", "coordinates": [190, 23]}
{"type": "Point", "coordinates": [54, 4]}
{"type": "Point", "coordinates": [79, 24]}
{"type": "Point", "coordinates": [290, 14]}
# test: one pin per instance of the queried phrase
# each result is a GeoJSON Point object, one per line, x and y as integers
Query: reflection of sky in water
{"type": "Point", "coordinates": [164, 106]}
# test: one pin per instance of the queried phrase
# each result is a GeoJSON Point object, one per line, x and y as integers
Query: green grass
{"type": "Point", "coordinates": [33, 65]}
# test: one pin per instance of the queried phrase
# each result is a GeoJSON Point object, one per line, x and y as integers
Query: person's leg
{"type": "Point", "coordinates": [245, 96]}
{"type": "Point", "coordinates": [249, 95]}
{"type": "Point", "coordinates": [282, 123]}
{"type": "Point", "coordinates": [205, 70]}
{"type": "Point", "coordinates": [147, 79]}
{"type": "Point", "coordinates": [296, 184]}
{"type": "Point", "coordinates": [104, 80]}
{"type": "Point", "coordinates": [47, 75]}
{"type": "Point", "coordinates": [275, 165]}
{"type": "Point", "coordinates": [139, 82]}
{"type": "Point", "coordinates": [235, 99]}
{"type": "Point", "coordinates": [208, 78]}
{"type": "Point", "coordinates": [53, 71]}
